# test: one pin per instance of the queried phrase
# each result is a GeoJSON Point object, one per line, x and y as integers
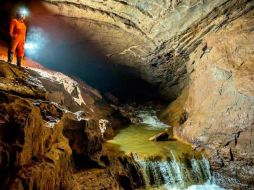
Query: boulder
{"type": "Point", "coordinates": [160, 137]}
{"type": "Point", "coordinates": [85, 139]}
{"type": "Point", "coordinates": [163, 136]}
{"type": "Point", "coordinates": [32, 154]}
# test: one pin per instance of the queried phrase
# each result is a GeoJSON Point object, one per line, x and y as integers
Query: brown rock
{"type": "Point", "coordinates": [20, 82]}
{"type": "Point", "coordinates": [32, 154]}
{"type": "Point", "coordinates": [34, 150]}
{"type": "Point", "coordinates": [219, 100]}
{"type": "Point", "coordinates": [85, 139]}
{"type": "Point", "coordinates": [160, 137]}
{"type": "Point", "coordinates": [163, 136]}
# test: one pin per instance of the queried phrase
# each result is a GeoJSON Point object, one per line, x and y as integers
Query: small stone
{"type": "Point", "coordinates": [160, 137]}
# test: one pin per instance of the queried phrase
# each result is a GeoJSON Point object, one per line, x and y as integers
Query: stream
{"type": "Point", "coordinates": [164, 165]}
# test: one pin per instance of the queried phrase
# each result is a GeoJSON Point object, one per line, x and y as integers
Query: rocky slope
{"type": "Point", "coordinates": [52, 130]}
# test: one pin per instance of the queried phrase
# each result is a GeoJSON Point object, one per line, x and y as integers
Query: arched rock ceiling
{"type": "Point", "coordinates": [154, 37]}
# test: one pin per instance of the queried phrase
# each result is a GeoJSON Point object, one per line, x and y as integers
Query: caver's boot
{"type": "Point", "coordinates": [10, 58]}
{"type": "Point", "coordinates": [19, 61]}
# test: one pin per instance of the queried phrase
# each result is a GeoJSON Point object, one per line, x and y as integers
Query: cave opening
{"type": "Point", "coordinates": [65, 48]}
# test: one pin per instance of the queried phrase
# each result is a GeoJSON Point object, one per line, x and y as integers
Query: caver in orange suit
{"type": "Point", "coordinates": [18, 37]}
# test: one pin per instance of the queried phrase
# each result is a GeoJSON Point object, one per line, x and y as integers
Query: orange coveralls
{"type": "Point", "coordinates": [18, 35]}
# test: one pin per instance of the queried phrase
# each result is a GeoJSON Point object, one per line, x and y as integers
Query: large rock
{"type": "Point", "coordinates": [122, 172]}
{"type": "Point", "coordinates": [163, 136]}
{"type": "Point", "coordinates": [85, 139]}
{"type": "Point", "coordinates": [33, 155]}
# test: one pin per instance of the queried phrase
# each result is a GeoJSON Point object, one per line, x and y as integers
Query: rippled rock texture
{"type": "Point", "coordinates": [155, 38]}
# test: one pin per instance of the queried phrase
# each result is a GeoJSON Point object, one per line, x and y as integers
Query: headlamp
{"type": "Point", "coordinates": [24, 11]}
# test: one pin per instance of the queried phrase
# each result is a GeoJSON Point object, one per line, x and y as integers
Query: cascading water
{"type": "Point", "coordinates": [150, 118]}
{"type": "Point", "coordinates": [175, 174]}
{"type": "Point", "coordinates": [167, 165]}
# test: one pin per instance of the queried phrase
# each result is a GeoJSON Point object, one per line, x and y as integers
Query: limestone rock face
{"type": "Point", "coordinates": [218, 103]}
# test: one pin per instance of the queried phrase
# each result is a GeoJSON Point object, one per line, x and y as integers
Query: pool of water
{"type": "Point", "coordinates": [135, 139]}
{"type": "Point", "coordinates": [166, 165]}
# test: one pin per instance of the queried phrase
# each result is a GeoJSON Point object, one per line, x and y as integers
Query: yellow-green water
{"type": "Point", "coordinates": [166, 165]}
{"type": "Point", "coordinates": [135, 139]}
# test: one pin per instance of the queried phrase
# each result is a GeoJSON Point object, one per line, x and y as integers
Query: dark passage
{"type": "Point", "coordinates": [67, 50]}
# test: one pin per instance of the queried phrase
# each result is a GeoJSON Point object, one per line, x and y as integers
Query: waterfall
{"type": "Point", "coordinates": [165, 165]}
{"type": "Point", "coordinates": [175, 174]}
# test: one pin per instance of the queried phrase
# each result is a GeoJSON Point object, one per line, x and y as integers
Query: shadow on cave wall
{"type": "Point", "coordinates": [69, 51]}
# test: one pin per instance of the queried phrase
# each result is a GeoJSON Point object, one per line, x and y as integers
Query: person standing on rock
{"type": "Point", "coordinates": [18, 37]}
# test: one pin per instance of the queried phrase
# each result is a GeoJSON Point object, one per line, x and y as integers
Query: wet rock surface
{"type": "Point", "coordinates": [163, 136]}
{"type": "Point", "coordinates": [43, 145]}
{"type": "Point", "coordinates": [33, 155]}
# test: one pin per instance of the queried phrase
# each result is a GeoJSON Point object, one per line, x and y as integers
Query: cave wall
{"type": "Point", "coordinates": [149, 36]}
{"type": "Point", "coordinates": [215, 112]}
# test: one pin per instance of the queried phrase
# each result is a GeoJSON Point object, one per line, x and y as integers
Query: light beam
{"type": "Point", "coordinates": [37, 39]}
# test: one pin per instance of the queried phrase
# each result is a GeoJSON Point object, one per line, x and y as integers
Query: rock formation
{"type": "Point", "coordinates": [200, 53]}
{"type": "Point", "coordinates": [33, 151]}
{"type": "Point", "coordinates": [215, 111]}
{"type": "Point", "coordinates": [46, 144]}
{"type": "Point", "coordinates": [166, 135]}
